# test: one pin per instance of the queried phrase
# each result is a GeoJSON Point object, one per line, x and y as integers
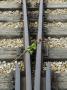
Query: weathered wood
{"type": "Point", "coordinates": [23, 81]}
{"type": "Point", "coordinates": [27, 55]}
{"type": "Point", "coordinates": [51, 31]}
{"type": "Point", "coordinates": [56, 53]}
{"type": "Point", "coordinates": [59, 86]}
{"type": "Point", "coordinates": [14, 5]}
{"type": "Point", "coordinates": [6, 81]}
{"type": "Point", "coordinates": [33, 8]}
{"type": "Point", "coordinates": [56, 17]}
{"type": "Point", "coordinates": [39, 49]}
{"type": "Point", "coordinates": [13, 18]}
{"type": "Point", "coordinates": [55, 31]}
{"type": "Point", "coordinates": [59, 77]}
{"type": "Point", "coordinates": [50, 6]}
{"type": "Point", "coordinates": [11, 32]}
{"type": "Point", "coordinates": [50, 18]}
{"type": "Point", "coordinates": [10, 53]}
{"type": "Point", "coordinates": [9, 4]}
{"type": "Point", "coordinates": [43, 83]}
{"type": "Point", "coordinates": [56, 6]}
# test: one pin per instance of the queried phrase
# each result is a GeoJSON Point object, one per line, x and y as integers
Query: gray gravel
{"type": "Point", "coordinates": [56, 11]}
{"type": "Point", "coordinates": [11, 25]}
{"type": "Point", "coordinates": [15, 13]}
{"type": "Point", "coordinates": [33, 24]}
{"type": "Point", "coordinates": [56, 42]}
{"type": "Point", "coordinates": [12, 43]}
{"type": "Point", "coordinates": [57, 67]}
{"type": "Point", "coordinates": [4, 1]}
{"type": "Point", "coordinates": [56, 24]}
{"type": "Point", "coordinates": [7, 73]}
{"type": "Point", "coordinates": [56, 1]}
{"type": "Point", "coordinates": [33, 2]}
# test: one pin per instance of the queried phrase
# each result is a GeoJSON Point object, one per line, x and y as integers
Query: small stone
{"type": "Point", "coordinates": [56, 12]}
{"type": "Point", "coordinates": [56, 1]}
{"type": "Point", "coordinates": [11, 43]}
{"type": "Point", "coordinates": [56, 42]}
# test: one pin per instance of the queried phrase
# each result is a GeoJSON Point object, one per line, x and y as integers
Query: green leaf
{"type": "Point", "coordinates": [31, 52]}
{"type": "Point", "coordinates": [31, 48]}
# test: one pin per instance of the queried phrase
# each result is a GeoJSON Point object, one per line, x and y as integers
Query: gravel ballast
{"type": "Point", "coordinates": [12, 43]}
{"type": "Point", "coordinates": [56, 24]}
{"type": "Point", "coordinates": [56, 1]}
{"type": "Point", "coordinates": [53, 24]}
{"type": "Point", "coordinates": [57, 67]}
{"type": "Point", "coordinates": [10, 25]}
{"type": "Point", "coordinates": [33, 3]}
{"type": "Point", "coordinates": [56, 11]}
{"type": "Point", "coordinates": [15, 13]}
{"type": "Point", "coordinates": [7, 1]}
{"type": "Point", "coordinates": [33, 24]}
{"type": "Point", "coordinates": [7, 72]}
{"type": "Point", "coordinates": [56, 42]}
{"type": "Point", "coordinates": [7, 67]}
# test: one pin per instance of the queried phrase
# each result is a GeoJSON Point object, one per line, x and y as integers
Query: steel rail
{"type": "Point", "coordinates": [39, 48]}
{"type": "Point", "coordinates": [27, 55]}
{"type": "Point", "coordinates": [48, 76]}
{"type": "Point", "coordinates": [17, 78]}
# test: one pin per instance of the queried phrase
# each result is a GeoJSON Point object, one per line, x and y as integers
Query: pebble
{"type": "Point", "coordinates": [56, 1]}
{"type": "Point", "coordinates": [13, 43]}
{"type": "Point", "coordinates": [53, 24]}
{"type": "Point", "coordinates": [6, 1]}
{"type": "Point", "coordinates": [7, 67]}
{"type": "Point", "coordinates": [7, 70]}
{"type": "Point", "coordinates": [56, 24]}
{"type": "Point", "coordinates": [34, 2]}
{"type": "Point", "coordinates": [57, 67]}
{"type": "Point", "coordinates": [15, 13]}
{"type": "Point", "coordinates": [11, 25]}
{"type": "Point", "coordinates": [33, 13]}
{"type": "Point", "coordinates": [33, 24]}
{"type": "Point", "coordinates": [56, 42]}
{"type": "Point", "coordinates": [56, 11]}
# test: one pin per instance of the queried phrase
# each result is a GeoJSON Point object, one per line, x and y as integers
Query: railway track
{"type": "Point", "coordinates": [41, 21]}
